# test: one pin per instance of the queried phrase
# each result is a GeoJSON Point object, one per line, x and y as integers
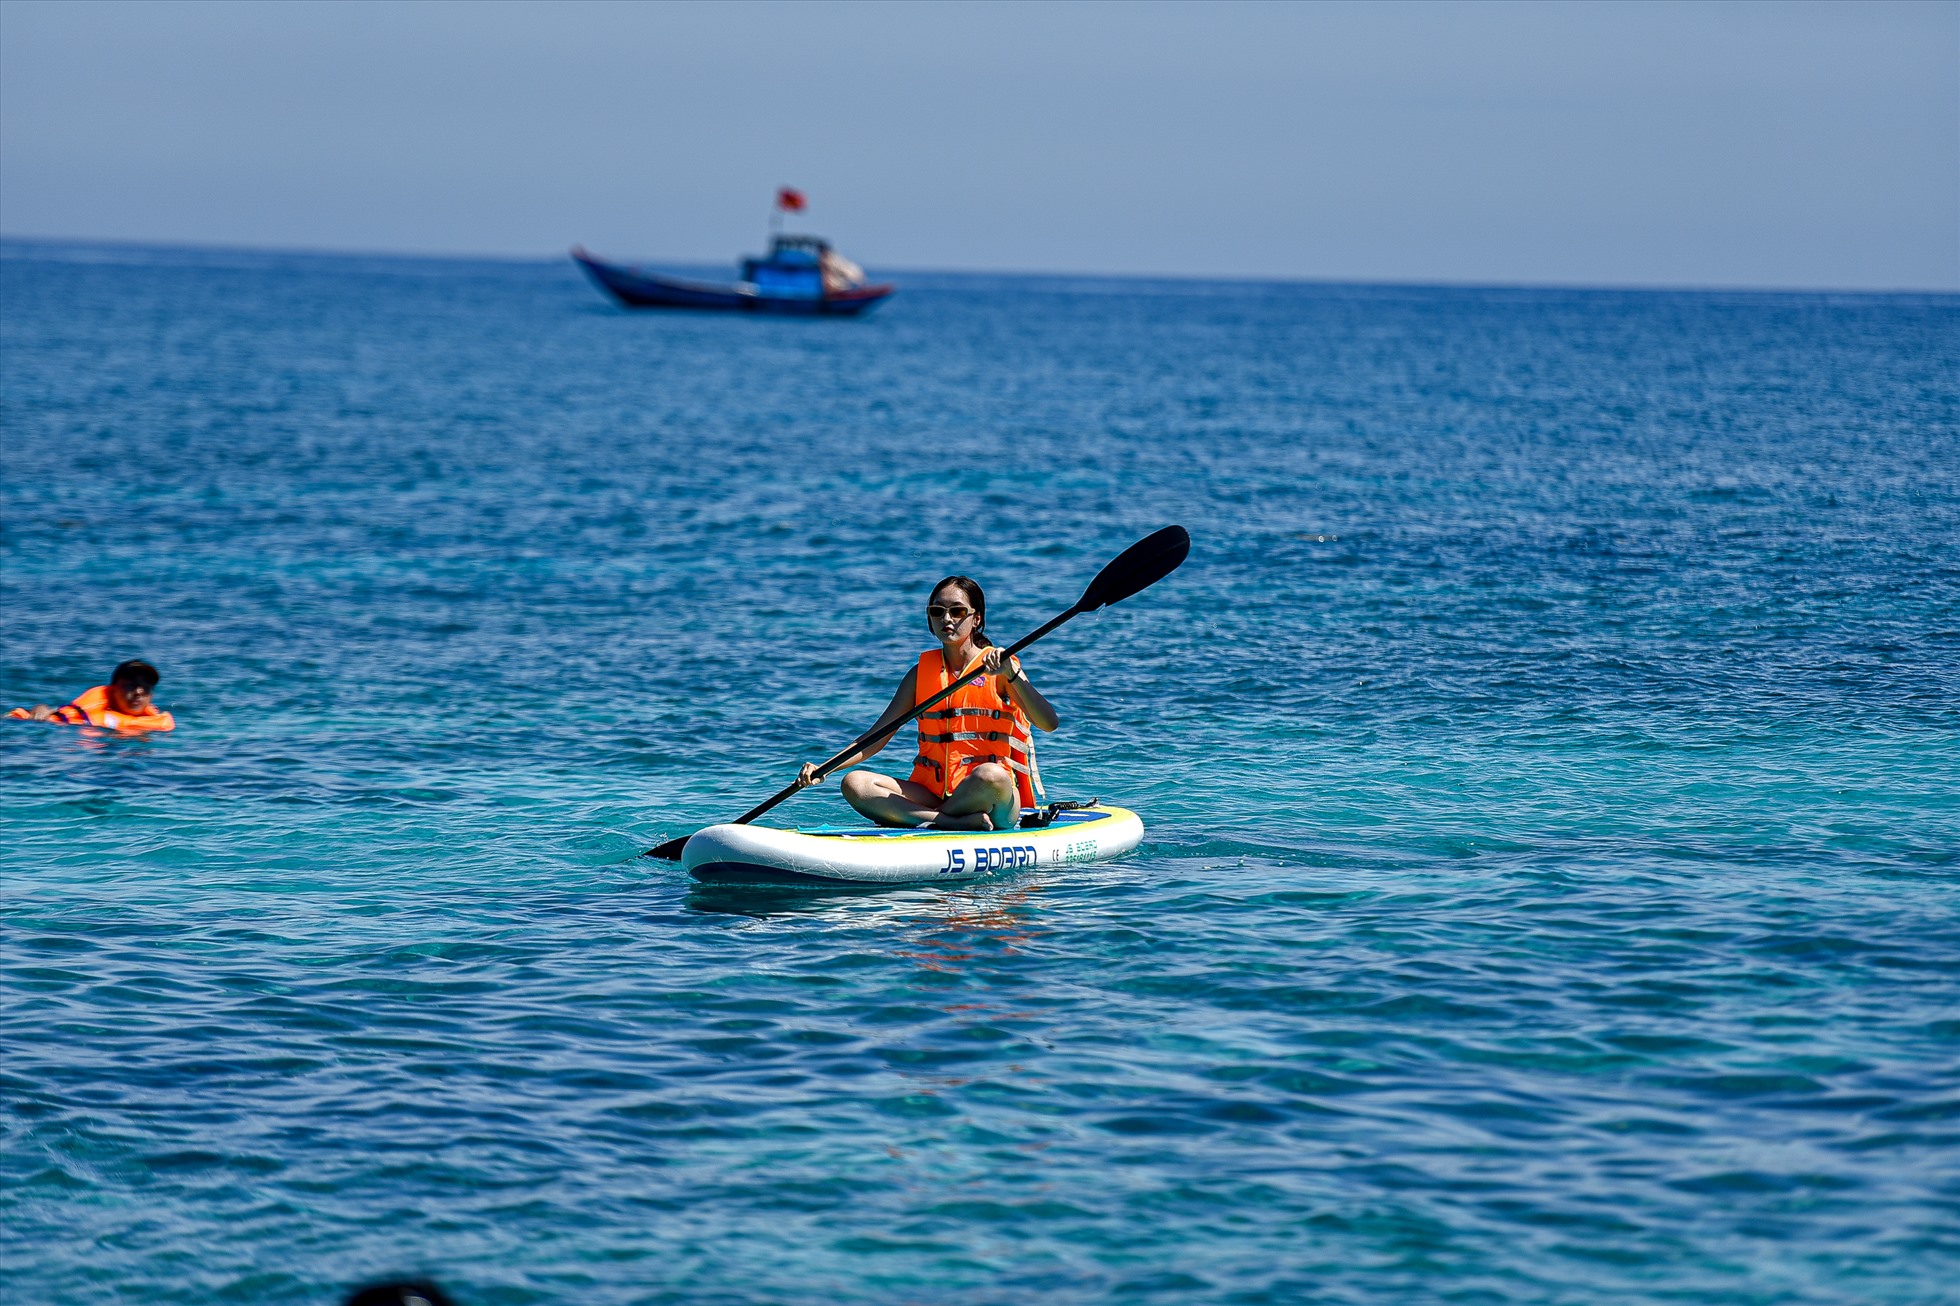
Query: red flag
{"type": "Point", "coordinates": [790, 200]}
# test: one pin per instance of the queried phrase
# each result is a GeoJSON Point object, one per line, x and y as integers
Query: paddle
{"type": "Point", "coordinates": [1136, 568]}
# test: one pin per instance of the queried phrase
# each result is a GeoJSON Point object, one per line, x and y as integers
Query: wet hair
{"type": "Point", "coordinates": [400, 1292]}
{"type": "Point", "coordinates": [135, 672]}
{"type": "Point", "coordinates": [974, 595]}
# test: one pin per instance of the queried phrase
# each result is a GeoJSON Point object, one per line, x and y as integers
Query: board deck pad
{"type": "Point", "coordinates": [926, 832]}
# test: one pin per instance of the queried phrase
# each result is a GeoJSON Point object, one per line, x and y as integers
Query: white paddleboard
{"type": "Point", "coordinates": [755, 854]}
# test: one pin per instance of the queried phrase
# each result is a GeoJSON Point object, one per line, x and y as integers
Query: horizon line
{"type": "Point", "coordinates": [544, 260]}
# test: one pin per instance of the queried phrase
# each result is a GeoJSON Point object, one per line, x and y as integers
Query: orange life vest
{"type": "Point", "coordinates": [975, 725]}
{"type": "Point", "coordinates": [91, 708]}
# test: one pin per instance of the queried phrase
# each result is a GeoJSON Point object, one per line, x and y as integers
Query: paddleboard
{"type": "Point", "coordinates": [754, 854]}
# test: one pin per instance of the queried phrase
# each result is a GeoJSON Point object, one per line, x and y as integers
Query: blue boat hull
{"type": "Point", "coordinates": [634, 288]}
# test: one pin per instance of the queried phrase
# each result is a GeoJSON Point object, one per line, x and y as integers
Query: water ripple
{"type": "Point", "coordinates": [1547, 755]}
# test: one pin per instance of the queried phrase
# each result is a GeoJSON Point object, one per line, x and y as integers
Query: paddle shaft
{"type": "Point", "coordinates": [878, 734]}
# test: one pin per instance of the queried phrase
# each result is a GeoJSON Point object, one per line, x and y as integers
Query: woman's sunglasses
{"type": "Point", "coordinates": [945, 612]}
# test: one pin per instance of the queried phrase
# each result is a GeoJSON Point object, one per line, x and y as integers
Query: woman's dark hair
{"type": "Point", "coordinates": [135, 672]}
{"type": "Point", "coordinates": [975, 596]}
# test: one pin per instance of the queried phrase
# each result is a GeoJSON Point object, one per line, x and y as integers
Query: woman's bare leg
{"type": "Point", "coordinates": [897, 803]}
{"type": "Point", "coordinates": [985, 800]}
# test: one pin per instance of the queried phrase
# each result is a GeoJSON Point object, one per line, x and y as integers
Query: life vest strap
{"type": "Point", "coordinates": [951, 712]}
{"type": "Point", "coordinates": [1010, 761]}
{"type": "Point", "coordinates": [954, 736]}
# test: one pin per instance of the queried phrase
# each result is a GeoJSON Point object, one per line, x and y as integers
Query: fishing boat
{"type": "Point", "coordinates": [754, 854]}
{"type": "Point", "coordinates": [799, 274]}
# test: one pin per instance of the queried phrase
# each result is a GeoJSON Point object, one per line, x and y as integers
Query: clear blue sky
{"type": "Point", "coordinates": [1657, 143]}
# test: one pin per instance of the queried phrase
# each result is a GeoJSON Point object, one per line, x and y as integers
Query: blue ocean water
{"type": "Point", "coordinates": [1551, 890]}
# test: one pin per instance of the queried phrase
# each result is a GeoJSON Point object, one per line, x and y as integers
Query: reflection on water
{"type": "Point", "coordinates": [768, 901]}
{"type": "Point", "coordinates": [987, 907]}
{"type": "Point", "coordinates": [978, 923]}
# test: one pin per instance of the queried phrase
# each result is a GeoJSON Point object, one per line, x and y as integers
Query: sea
{"type": "Point", "coordinates": [1550, 890]}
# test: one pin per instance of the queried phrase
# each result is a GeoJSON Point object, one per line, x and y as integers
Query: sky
{"type": "Point", "coordinates": [1796, 145]}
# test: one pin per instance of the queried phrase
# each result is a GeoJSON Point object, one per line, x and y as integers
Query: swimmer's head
{"type": "Point", "coordinates": [130, 686]}
{"type": "Point", "coordinates": [400, 1292]}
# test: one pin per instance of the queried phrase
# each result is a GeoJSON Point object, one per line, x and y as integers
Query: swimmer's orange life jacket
{"type": "Point", "coordinates": [978, 724]}
{"type": "Point", "coordinates": [91, 708]}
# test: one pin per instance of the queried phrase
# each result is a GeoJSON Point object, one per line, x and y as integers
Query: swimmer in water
{"type": "Point", "coordinates": [122, 704]}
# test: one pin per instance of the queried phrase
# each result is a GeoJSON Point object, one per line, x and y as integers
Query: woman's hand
{"type": "Point", "coordinates": [1018, 689]}
{"type": "Point", "coordinates": [1008, 669]}
{"type": "Point", "coordinates": [808, 776]}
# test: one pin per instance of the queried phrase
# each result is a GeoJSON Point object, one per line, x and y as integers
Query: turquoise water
{"type": "Point", "coordinates": [1551, 890]}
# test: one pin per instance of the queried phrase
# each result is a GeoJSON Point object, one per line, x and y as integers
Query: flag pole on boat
{"type": "Point", "coordinates": [788, 200]}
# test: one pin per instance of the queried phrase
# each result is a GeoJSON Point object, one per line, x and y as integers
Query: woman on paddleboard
{"type": "Point", "coordinates": [975, 769]}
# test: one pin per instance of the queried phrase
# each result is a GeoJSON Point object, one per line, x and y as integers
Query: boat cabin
{"type": "Point", "coordinates": [801, 267]}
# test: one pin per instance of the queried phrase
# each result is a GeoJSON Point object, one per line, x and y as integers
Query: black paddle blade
{"type": "Point", "coordinates": [1138, 567]}
{"type": "Point", "coordinates": [669, 851]}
